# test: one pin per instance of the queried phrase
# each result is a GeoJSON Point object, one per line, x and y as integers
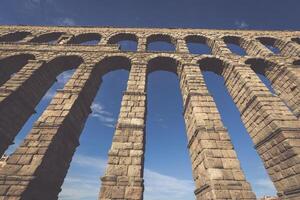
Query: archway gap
{"type": "Point", "coordinates": [15, 36]}
{"type": "Point", "coordinates": [48, 78]}
{"type": "Point", "coordinates": [296, 39]}
{"type": "Point", "coordinates": [165, 133]}
{"type": "Point", "coordinates": [296, 62]}
{"type": "Point", "coordinates": [127, 41]}
{"type": "Point", "coordinates": [234, 43]}
{"type": "Point", "coordinates": [47, 37]}
{"type": "Point", "coordinates": [160, 42]}
{"type": "Point", "coordinates": [212, 70]}
{"type": "Point", "coordinates": [90, 160]}
{"type": "Point", "coordinates": [86, 39]}
{"type": "Point", "coordinates": [270, 43]}
{"type": "Point", "coordinates": [197, 44]}
{"type": "Point", "coordinates": [12, 64]}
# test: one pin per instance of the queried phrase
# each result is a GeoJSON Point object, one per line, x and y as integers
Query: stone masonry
{"type": "Point", "coordinates": [31, 57]}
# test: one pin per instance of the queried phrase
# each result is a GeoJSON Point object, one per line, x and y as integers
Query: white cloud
{"type": "Point", "coordinates": [65, 21]}
{"type": "Point", "coordinates": [162, 187]}
{"type": "Point", "coordinates": [84, 186]}
{"type": "Point", "coordinates": [264, 187]}
{"type": "Point", "coordinates": [102, 115]}
{"type": "Point", "coordinates": [241, 24]}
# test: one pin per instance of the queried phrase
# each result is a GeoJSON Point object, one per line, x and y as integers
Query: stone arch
{"type": "Point", "coordinates": [15, 36]}
{"type": "Point", "coordinates": [273, 42]}
{"type": "Point", "coordinates": [282, 80]}
{"type": "Point", "coordinates": [163, 63]}
{"type": "Point", "coordinates": [47, 37]}
{"type": "Point", "coordinates": [296, 39]}
{"type": "Point", "coordinates": [213, 64]}
{"type": "Point", "coordinates": [296, 62]}
{"type": "Point", "coordinates": [12, 64]}
{"type": "Point", "coordinates": [161, 38]}
{"type": "Point", "coordinates": [20, 99]}
{"type": "Point", "coordinates": [85, 37]}
{"type": "Point", "coordinates": [119, 37]}
{"type": "Point", "coordinates": [199, 39]}
{"type": "Point", "coordinates": [235, 40]}
{"type": "Point", "coordinates": [113, 62]}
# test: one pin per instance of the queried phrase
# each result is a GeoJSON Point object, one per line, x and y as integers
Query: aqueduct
{"type": "Point", "coordinates": [32, 57]}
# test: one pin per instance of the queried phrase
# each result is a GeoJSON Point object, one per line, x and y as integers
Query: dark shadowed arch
{"type": "Point", "coordinates": [85, 37]}
{"type": "Point", "coordinates": [112, 63]}
{"type": "Point", "coordinates": [271, 43]}
{"type": "Point", "coordinates": [163, 63]}
{"type": "Point", "coordinates": [296, 62]}
{"type": "Point", "coordinates": [47, 37]}
{"type": "Point", "coordinates": [234, 43]}
{"type": "Point", "coordinates": [297, 40]}
{"type": "Point", "coordinates": [212, 64]}
{"type": "Point", "coordinates": [14, 37]}
{"type": "Point", "coordinates": [161, 38]}
{"type": "Point", "coordinates": [259, 65]}
{"type": "Point", "coordinates": [12, 64]}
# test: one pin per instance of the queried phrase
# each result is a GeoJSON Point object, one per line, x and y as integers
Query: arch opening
{"type": "Point", "coordinates": [12, 64]}
{"type": "Point", "coordinates": [50, 38]}
{"type": "Point", "coordinates": [270, 43]}
{"type": "Point", "coordinates": [296, 62]}
{"type": "Point", "coordinates": [160, 42]}
{"type": "Point", "coordinates": [165, 128]}
{"type": "Point", "coordinates": [14, 37]}
{"type": "Point", "coordinates": [126, 41]}
{"type": "Point", "coordinates": [230, 116]}
{"type": "Point", "coordinates": [197, 44]}
{"type": "Point", "coordinates": [86, 39]}
{"type": "Point", "coordinates": [41, 79]}
{"type": "Point", "coordinates": [234, 45]}
{"type": "Point", "coordinates": [92, 154]}
{"type": "Point", "coordinates": [261, 67]}
{"type": "Point", "coordinates": [297, 40]}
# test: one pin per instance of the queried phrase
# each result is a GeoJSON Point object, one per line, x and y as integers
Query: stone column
{"type": "Point", "coordinates": [142, 44]}
{"type": "Point", "coordinates": [286, 82]}
{"type": "Point", "coordinates": [36, 170]}
{"type": "Point", "coordinates": [18, 98]}
{"type": "Point", "coordinates": [65, 39]}
{"type": "Point", "coordinates": [216, 168]}
{"type": "Point", "coordinates": [181, 46]}
{"type": "Point", "coordinates": [273, 128]}
{"type": "Point", "coordinates": [123, 178]}
{"type": "Point", "coordinates": [218, 47]}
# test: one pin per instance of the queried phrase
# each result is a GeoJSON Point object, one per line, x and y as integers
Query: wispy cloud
{"type": "Point", "coordinates": [241, 24]}
{"type": "Point", "coordinates": [162, 187]}
{"type": "Point", "coordinates": [84, 186]}
{"type": "Point", "coordinates": [65, 21]}
{"type": "Point", "coordinates": [264, 187]}
{"type": "Point", "coordinates": [102, 115]}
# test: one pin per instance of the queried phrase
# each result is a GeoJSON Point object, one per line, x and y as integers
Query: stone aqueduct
{"type": "Point", "coordinates": [29, 65]}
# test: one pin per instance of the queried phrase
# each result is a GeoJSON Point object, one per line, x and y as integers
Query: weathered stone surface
{"type": "Point", "coordinates": [29, 66]}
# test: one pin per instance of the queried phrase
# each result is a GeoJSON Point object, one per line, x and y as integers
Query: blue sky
{"type": "Point", "coordinates": [167, 164]}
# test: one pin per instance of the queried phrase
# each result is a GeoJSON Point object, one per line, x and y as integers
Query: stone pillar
{"type": "Point", "coordinates": [286, 82]}
{"type": "Point", "coordinates": [18, 98]}
{"type": "Point", "coordinates": [142, 44]}
{"type": "Point", "coordinates": [273, 128]}
{"type": "Point", "coordinates": [36, 170]}
{"type": "Point", "coordinates": [216, 168]}
{"type": "Point", "coordinates": [123, 178]}
{"type": "Point", "coordinates": [181, 46]}
{"type": "Point", "coordinates": [218, 47]}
